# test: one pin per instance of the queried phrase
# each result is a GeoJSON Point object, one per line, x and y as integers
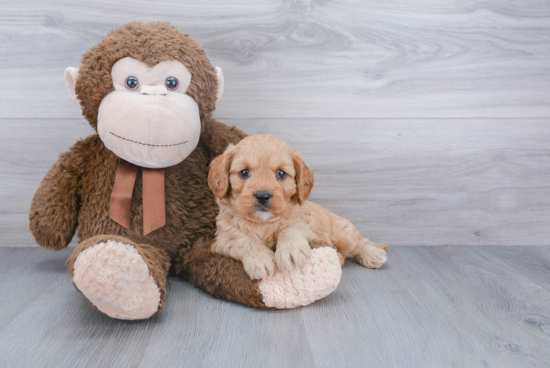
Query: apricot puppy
{"type": "Point", "coordinates": [261, 185]}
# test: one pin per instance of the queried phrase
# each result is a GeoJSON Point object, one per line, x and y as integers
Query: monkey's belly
{"type": "Point", "coordinates": [191, 209]}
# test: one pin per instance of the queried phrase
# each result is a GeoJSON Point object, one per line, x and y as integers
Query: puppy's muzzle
{"type": "Point", "coordinates": [262, 198]}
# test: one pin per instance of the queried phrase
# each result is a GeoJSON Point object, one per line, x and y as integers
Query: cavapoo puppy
{"type": "Point", "coordinates": [261, 185]}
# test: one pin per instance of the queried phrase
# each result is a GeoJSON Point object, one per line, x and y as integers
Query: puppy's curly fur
{"type": "Point", "coordinates": [265, 221]}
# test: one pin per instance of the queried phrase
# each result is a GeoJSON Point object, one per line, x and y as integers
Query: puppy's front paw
{"type": "Point", "coordinates": [292, 254]}
{"type": "Point", "coordinates": [259, 266]}
{"type": "Point", "coordinates": [372, 257]}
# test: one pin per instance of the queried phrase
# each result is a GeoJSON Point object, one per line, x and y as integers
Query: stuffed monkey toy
{"type": "Point", "coordinates": [137, 189]}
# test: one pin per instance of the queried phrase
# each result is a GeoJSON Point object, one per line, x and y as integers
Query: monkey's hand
{"type": "Point", "coordinates": [54, 209]}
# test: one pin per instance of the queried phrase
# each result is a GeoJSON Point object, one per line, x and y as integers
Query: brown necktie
{"type": "Point", "coordinates": [154, 212]}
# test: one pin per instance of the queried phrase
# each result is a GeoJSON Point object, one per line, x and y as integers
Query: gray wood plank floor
{"type": "Point", "coordinates": [428, 307]}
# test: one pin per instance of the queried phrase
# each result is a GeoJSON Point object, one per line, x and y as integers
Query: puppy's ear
{"type": "Point", "coordinates": [304, 178]}
{"type": "Point", "coordinates": [218, 177]}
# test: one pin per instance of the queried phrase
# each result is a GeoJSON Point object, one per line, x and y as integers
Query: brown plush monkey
{"type": "Point", "coordinates": [137, 190]}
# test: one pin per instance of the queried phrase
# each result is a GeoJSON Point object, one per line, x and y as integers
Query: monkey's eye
{"type": "Point", "coordinates": [281, 174]}
{"type": "Point", "coordinates": [244, 173]}
{"type": "Point", "coordinates": [171, 83]}
{"type": "Point", "coordinates": [132, 83]}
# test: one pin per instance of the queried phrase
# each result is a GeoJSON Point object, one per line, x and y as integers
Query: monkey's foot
{"type": "Point", "coordinates": [315, 279]}
{"type": "Point", "coordinates": [115, 278]}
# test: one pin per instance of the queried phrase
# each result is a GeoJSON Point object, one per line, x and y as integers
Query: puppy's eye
{"type": "Point", "coordinates": [132, 83]}
{"type": "Point", "coordinates": [171, 83]}
{"type": "Point", "coordinates": [281, 174]}
{"type": "Point", "coordinates": [244, 173]}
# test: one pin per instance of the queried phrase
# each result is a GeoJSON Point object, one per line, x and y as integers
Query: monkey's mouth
{"type": "Point", "coordinates": [148, 144]}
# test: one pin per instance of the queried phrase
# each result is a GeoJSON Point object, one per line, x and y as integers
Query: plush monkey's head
{"type": "Point", "coordinates": [145, 88]}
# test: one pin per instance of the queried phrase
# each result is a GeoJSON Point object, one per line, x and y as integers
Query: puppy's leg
{"type": "Point", "coordinates": [377, 245]}
{"type": "Point", "coordinates": [257, 259]}
{"type": "Point", "coordinates": [370, 255]}
{"type": "Point", "coordinates": [293, 248]}
{"type": "Point", "coordinates": [350, 243]}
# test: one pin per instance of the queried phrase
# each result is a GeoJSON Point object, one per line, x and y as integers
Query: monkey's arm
{"type": "Point", "coordinates": [225, 278]}
{"type": "Point", "coordinates": [216, 136]}
{"type": "Point", "coordinates": [54, 209]}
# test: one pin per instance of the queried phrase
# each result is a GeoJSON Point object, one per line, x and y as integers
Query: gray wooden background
{"type": "Point", "coordinates": [426, 122]}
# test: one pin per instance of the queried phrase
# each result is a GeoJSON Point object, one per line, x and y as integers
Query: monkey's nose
{"type": "Point", "coordinates": [153, 90]}
{"type": "Point", "coordinates": [262, 197]}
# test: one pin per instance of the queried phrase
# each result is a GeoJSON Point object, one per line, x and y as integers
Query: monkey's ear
{"type": "Point", "coordinates": [218, 177]}
{"type": "Point", "coordinates": [304, 178]}
{"type": "Point", "coordinates": [220, 82]}
{"type": "Point", "coordinates": [71, 74]}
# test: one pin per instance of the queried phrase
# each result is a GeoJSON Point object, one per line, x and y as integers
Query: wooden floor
{"type": "Point", "coordinates": [428, 307]}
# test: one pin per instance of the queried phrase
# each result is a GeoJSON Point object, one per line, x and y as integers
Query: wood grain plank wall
{"type": "Point", "coordinates": [306, 59]}
{"type": "Point", "coordinates": [401, 181]}
{"type": "Point", "coordinates": [425, 122]}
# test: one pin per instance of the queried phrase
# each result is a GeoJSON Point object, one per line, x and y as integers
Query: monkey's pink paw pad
{"type": "Point", "coordinates": [316, 279]}
{"type": "Point", "coordinates": [116, 280]}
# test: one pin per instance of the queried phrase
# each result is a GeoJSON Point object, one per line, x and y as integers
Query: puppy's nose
{"type": "Point", "coordinates": [262, 197]}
